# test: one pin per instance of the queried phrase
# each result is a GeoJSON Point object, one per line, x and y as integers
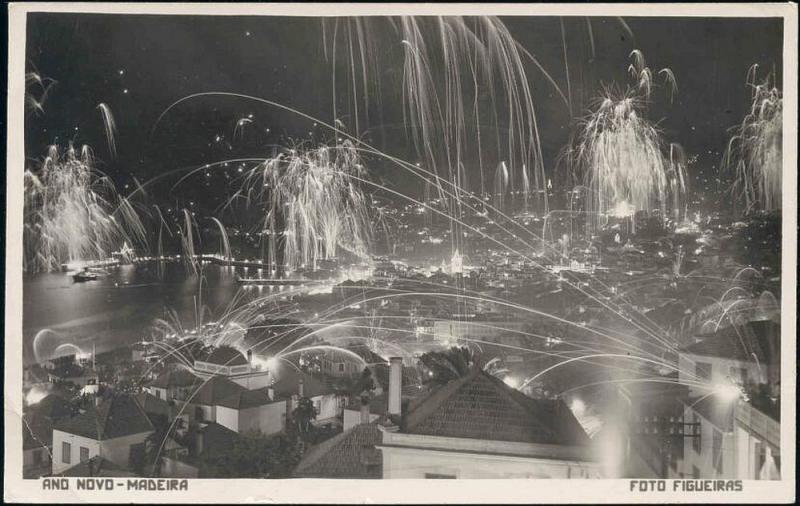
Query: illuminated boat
{"type": "Point", "coordinates": [84, 276]}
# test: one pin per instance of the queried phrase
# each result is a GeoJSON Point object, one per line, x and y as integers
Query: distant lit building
{"type": "Point", "coordinates": [232, 364]}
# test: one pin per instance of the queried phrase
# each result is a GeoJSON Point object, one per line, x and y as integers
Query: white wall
{"type": "Point", "coordinates": [118, 450]}
{"type": "Point", "coordinates": [268, 419]}
{"type": "Point", "coordinates": [76, 442]}
{"type": "Point", "coordinates": [414, 456]}
{"type": "Point", "coordinates": [704, 460]}
{"type": "Point", "coordinates": [329, 406]}
{"type": "Point", "coordinates": [352, 417]}
{"type": "Point", "coordinates": [228, 417]}
{"type": "Point", "coordinates": [173, 468]}
{"type": "Point", "coordinates": [417, 463]}
{"type": "Point", "coordinates": [114, 450]}
{"type": "Point", "coordinates": [254, 380]}
{"type": "Point", "coordinates": [720, 371]}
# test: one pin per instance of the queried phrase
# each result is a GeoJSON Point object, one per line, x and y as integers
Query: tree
{"type": "Point", "coordinates": [253, 456]}
{"type": "Point", "coordinates": [303, 414]}
{"type": "Point", "coordinates": [364, 383]}
{"type": "Point", "coordinates": [445, 366]}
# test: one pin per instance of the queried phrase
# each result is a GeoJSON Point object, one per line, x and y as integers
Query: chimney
{"type": "Point", "coordinates": [300, 388]}
{"type": "Point", "coordinates": [395, 384]}
{"type": "Point", "coordinates": [365, 410]}
{"type": "Point", "coordinates": [199, 440]}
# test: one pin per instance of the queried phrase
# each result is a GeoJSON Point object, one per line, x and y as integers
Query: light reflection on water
{"type": "Point", "coordinates": [119, 308]}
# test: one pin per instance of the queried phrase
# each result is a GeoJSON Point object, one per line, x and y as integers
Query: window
{"type": "Point", "coordinates": [702, 370]}
{"type": "Point", "coordinates": [716, 450]}
{"type": "Point", "coordinates": [437, 476]}
{"type": "Point", "coordinates": [158, 393]}
{"type": "Point", "coordinates": [696, 443]}
{"type": "Point", "coordinates": [740, 374]}
{"type": "Point", "coordinates": [341, 367]}
{"type": "Point", "coordinates": [84, 454]}
{"type": "Point", "coordinates": [66, 451]}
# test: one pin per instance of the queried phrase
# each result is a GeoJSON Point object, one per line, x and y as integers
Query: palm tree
{"type": "Point", "coordinates": [445, 366]}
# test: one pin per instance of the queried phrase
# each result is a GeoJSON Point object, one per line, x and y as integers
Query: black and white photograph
{"type": "Point", "coordinates": [385, 246]}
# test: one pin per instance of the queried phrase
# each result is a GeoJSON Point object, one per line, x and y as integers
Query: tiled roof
{"type": "Point", "coordinates": [69, 370]}
{"type": "Point", "coordinates": [96, 467]}
{"type": "Point", "coordinates": [115, 417]}
{"type": "Point", "coordinates": [53, 406]}
{"type": "Point", "coordinates": [152, 405]}
{"type": "Point", "coordinates": [214, 390]}
{"type": "Point", "coordinates": [174, 378]}
{"type": "Point", "coordinates": [225, 355]}
{"type": "Point", "coordinates": [741, 342]}
{"type": "Point", "coordinates": [217, 438]}
{"type": "Point", "coordinates": [351, 454]}
{"type": "Point", "coordinates": [249, 399]}
{"type": "Point", "coordinates": [288, 385]}
{"type": "Point", "coordinates": [480, 406]}
{"type": "Point", "coordinates": [37, 431]}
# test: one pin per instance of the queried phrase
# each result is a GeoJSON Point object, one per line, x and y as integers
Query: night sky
{"type": "Point", "coordinates": [139, 65]}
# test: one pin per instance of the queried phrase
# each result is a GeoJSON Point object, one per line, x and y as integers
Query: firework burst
{"type": "Point", "coordinates": [755, 151]}
{"type": "Point", "coordinates": [73, 213]}
{"type": "Point", "coordinates": [620, 153]}
{"type": "Point", "coordinates": [315, 195]}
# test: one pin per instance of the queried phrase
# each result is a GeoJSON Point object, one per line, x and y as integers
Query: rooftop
{"type": "Point", "coordinates": [351, 454]}
{"type": "Point", "coordinates": [214, 390]}
{"type": "Point", "coordinates": [117, 416]}
{"type": "Point", "coordinates": [174, 378]}
{"type": "Point", "coordinates": [152, 405]}
{"type": "Point", "coordinates": [761, 339]}
{"type": "Point", "coordinates": [52, 406]}
{"type": "Point", "coordinates": [37, 431]}
{"type": "Point", "coordinates": [225, 355]}
{"type": "Point", "coordinates": [480, 406]}
{"type": "Point", "coordinates": [250, 399]}
{"type": "Point", "coordinates": [288, 385]}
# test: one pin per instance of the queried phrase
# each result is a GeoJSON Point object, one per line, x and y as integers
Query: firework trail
{"type": "Point", "coordinates": [457, 73]}
{"type": "Point", "coordinates": [110, 127]}
{"type": "Point", "coordinates": [45, 86]}
{"type": "Point", "coordinates": [190, 260]}
{"type": "Point", "coordinates": [226, 245]}
{"type": "Point", "coordinates": [755, 151]}
{"type": "Point", "coordinates": [73, 213]}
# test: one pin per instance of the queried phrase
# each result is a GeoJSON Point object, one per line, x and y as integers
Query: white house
{"type": "Point", "coordinates": [732, 408]}
{"type": "Point", "coordinates": [111, 429]}
{"type": "Point", "coordinates": [327, 403]}
{"type": "Point", "coordinates": [253, 410]}
{"type": "Point", "coordinates": [472, 427]}
{"type": "Point", "coordinates": [479, 427]}
{"type": "Point", "coordinates": [172, 384]}
{"type": "Point", "coordinates": [232, 364]}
